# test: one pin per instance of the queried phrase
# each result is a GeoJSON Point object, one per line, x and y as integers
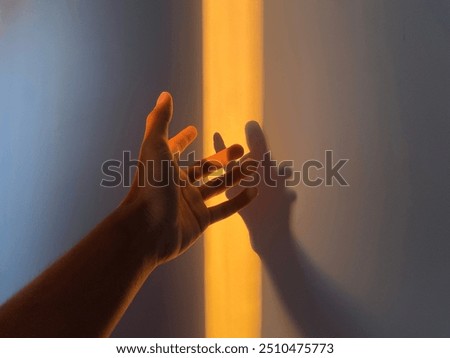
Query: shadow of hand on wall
{"type": "Point", "coordinates": [314, 303]}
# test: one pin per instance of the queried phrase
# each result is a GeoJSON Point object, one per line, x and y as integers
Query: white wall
{"type": "Point", "coordinates": [371, 81]}
{"type": "Point", "coordinates": [368, 79]}
{"type": "Point", "coordinates": [77, 79]}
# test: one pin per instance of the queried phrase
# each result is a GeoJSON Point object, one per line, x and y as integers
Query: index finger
{"type": "Point", "coordinates": [218, 141]}
{"type": "Point", "coordinates": [256, 140]}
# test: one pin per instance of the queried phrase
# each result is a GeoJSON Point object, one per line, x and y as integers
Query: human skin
{"type": "Point", "coordinates": [87, 291]}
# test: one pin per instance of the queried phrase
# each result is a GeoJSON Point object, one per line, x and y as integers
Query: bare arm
{"type": "Point", "coordinates": [86, 292]}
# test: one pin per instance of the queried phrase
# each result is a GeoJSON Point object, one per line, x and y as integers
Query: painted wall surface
{"type": "Point", "coordinates": [368, 79]}
{"type": "Point", "coordinates": [371, 81]}
{"type": "Point", "coordinates": [77, 79]}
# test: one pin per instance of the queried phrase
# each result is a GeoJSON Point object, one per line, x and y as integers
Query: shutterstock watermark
{"type": "Point", "coordinates": [249, 172]}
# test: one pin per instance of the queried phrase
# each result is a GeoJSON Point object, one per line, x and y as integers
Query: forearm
{"type": "Point", "coordinates": [85, 292]}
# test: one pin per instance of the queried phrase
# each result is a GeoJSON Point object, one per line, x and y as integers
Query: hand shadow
{"type": "Point", "coordinates": [314, 303]}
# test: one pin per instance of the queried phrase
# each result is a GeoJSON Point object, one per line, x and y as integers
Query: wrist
{"type": "Point", "coordinates": [130, 224]}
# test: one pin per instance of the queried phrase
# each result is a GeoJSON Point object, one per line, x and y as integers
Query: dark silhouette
{"type": "Point", "coordinates": [315, 304]}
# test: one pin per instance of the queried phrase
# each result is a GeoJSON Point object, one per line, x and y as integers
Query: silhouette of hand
{"type": "Point", "coordinates": [268, 219]}
{"type": "Point", "coordinates": [169, 208]}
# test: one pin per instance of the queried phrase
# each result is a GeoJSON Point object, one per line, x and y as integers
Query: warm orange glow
{"type": "Point", "coordinates": [232, 87]}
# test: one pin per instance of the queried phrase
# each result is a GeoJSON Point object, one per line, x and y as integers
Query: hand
{"type": "Point", "coordinates": [268, 219]}
{"type": "Point", "coordinates": [86, 291]}
{"type": "Point", "coordinates": [172, 216]}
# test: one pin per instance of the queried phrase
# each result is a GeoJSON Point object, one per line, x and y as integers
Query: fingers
{"type": "Point", "coordinates": [219, 144]}
{"type": "Point", "coordinates": [159, 118]}
{"type": "Point", "coordinates": [228, 180]}
{"type": "Point", "coordinates": [256, 140]}
{"type": "Point", "coordinates": [180, 141]}
{"type": "Point", "coordinates": [215, 162]}
{"type": "Point", "coordinates": [223, 210]}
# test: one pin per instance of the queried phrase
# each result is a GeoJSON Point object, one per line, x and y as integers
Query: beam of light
{"type": "Point", "coordinates": [232, 95]}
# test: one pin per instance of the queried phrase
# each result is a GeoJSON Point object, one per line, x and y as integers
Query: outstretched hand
{"type": "Point", "coordinates": [170, 209]}
{"type": "Point", "coordinates": [87, 290]}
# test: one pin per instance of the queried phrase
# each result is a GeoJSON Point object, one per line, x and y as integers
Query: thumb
{"type": "Point", "coordinates": [159, 118]}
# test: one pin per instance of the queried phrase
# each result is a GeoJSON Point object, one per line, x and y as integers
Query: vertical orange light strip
{"type": "Point", "coordinates": [232, 95]}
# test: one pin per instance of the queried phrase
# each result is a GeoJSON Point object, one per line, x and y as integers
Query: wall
{"type": "Point", "coordinates": [77, 79]}
{"type": "Point", "coordinates": [369, 80]}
